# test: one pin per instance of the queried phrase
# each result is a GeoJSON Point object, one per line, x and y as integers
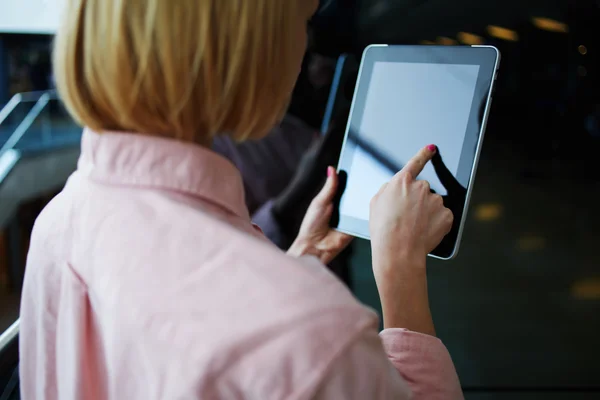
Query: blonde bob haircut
{"type": "Point", "coordinates": [186, 69]}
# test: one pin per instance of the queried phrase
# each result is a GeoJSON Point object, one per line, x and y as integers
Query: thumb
{"type": "Point", "coordinates": [327, 193]}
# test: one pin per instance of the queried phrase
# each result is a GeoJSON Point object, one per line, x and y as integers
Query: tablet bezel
{"type": "Point", "coordinates": [486, 57]}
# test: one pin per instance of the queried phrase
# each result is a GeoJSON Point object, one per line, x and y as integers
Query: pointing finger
{"type": "Point", "coordinates": [416, 164]}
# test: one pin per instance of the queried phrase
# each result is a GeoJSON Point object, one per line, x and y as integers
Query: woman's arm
{"type": "Point", "coordinates": [402, 286]}
{"type": "Point", "coordinates": [406, 223]}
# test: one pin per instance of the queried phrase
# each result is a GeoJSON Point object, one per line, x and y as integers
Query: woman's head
{"type": "Point", "coordinates": [188, 69]}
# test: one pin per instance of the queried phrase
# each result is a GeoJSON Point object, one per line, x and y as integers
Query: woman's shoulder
{"type": "Point", "coordinates": [171, 257]}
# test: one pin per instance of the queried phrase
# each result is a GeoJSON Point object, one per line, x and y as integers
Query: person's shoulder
{"type": "Point", "coordinates": [51, 228]}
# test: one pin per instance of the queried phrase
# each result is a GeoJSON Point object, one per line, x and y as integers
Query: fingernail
{"type": "Point", "coordinates": [432, 148]}
{"type": "Point", "coordinates": [329, 172]}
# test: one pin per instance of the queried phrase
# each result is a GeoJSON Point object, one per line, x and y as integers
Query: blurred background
{"type": "Point", "coordinates": [519, 309]}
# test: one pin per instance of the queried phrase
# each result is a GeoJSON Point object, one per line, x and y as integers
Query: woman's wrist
{"type": "Point", "coordinates": [398, 261]}
{"type": "Point", "coordinates": [402, 286]}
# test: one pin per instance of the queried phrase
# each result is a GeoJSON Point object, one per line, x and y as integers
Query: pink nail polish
{"type": "Point", "coordinates": [329, 172]}
{"type": "Point", "coordinates": [432, 147]}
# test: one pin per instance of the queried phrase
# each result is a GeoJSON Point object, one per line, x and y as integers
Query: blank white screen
{"type": "Point", "coordinates": [408, 106]}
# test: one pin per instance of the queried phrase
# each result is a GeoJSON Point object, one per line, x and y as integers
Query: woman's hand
{"type": "Point", "coordinates": [291, 206]}
{"type": "Point", "coordinates": [316, 237]}
{"type": "Point", "coordinates": [407, 222]}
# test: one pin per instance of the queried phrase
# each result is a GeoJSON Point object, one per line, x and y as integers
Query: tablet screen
{"type": "Point", "coordinates": [407, 106]}
{"type": "Point", "coordinates": [406, 98]}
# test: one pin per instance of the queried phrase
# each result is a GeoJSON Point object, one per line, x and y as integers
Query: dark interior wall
{"type": "Point", "coordinates": [407, 21]}
{"type": "Point", "coordinates": [24, 64]}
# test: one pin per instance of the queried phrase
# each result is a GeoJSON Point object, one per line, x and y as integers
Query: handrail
{"type": "Point", "coordinates": [8, 160]}
{"type": "Point", "coordinates": [10, 106]}
{"type": "Point", "coordinates": [26, 123]}
{"type": "Point", "coordinates": [8, 335]}
{"type": "Point", "coordinates": [22, 98]}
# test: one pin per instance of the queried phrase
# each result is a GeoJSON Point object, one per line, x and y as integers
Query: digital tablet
{"type": "Point", "coordinates": [407, 97]}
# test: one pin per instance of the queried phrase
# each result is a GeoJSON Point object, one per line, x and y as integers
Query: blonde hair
{"type": "Point", "coordinates": [188, 69]}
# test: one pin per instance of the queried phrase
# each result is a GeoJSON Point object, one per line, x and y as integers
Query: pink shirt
{"type": "Point", "coordinates": [147, 280]}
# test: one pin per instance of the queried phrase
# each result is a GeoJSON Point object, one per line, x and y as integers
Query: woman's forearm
{"type": "Point", "coordinates": [404, 296]}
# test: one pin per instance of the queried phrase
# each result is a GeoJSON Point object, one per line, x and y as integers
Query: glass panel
{"type": "Point", "coordinates": [51, 129]}
{"type": "Point", "coordinates": [13, 119]}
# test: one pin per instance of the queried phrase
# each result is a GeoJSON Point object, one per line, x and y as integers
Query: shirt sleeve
{"type": "Point", "coordinates": [397, 364]}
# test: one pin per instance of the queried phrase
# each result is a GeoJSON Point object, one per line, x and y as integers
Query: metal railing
{"type": "Point", "coordinates": [36, 119]}
{"type": "Point", "coordinates": [20, 98]}
{"type": "Point", "coordinates": [8, 160]}
{"type": "Point", "coordinates": [27, 122]}
{"type": "Point", "coordinates": [8, 335]}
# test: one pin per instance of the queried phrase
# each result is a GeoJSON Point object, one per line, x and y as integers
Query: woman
{"type": "Point", "coordinates": [145, 277]}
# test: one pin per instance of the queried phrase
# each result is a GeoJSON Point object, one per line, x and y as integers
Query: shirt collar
{"type": "Point", "coordinates": [154, 162]}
